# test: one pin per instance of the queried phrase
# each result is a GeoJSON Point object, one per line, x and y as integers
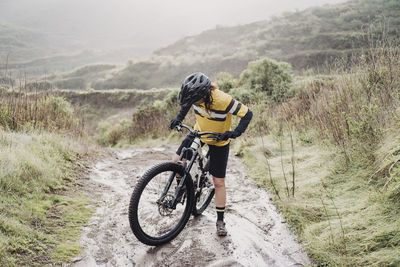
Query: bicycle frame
{"type": "Point", "coordinates": [197, 153]}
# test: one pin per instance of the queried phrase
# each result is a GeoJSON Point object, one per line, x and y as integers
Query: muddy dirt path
{"type": "Point", "coordinates": [257, 235]}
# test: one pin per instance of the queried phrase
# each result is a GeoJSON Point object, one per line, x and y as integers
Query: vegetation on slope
{"type": "Point", "coordinates": [40, 216]}
{"type": "Point", "coordinates": [41, 153]}
{"type": "Point", "coordinates": [149, 120]}
{"type": "Point", "coordinates": [308, 39]}
{"type": "Point", "coordinates": [330, 156]}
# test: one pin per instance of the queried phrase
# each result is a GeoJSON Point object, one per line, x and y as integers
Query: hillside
{"type": "Point", "coordinates": [304, 39]}
{"type": "Point", "coordinates": [307, 39]}
{"type": "Point", "coordinates": [32, 51]}
{"type": "Point", "coordinates": [38, 54]}
{"type": "Point", "coordinates": [21, 43]}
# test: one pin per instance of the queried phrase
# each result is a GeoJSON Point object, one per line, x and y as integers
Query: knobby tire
{"type": "Point", "coordinates": [134, 220]}
{"type": "Point", "coordinates": [199, 210]}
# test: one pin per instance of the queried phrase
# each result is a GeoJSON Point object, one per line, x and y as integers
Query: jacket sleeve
{"type": "Point", "coordinates": [244, 122]}
{"type": "Point", "coordinates": [182, 113]}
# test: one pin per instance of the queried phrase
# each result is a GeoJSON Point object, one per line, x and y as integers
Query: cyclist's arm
{"type": "Point", "coordinates": [243, 112]}
{"type": "Point", "coordinates": [244, 122]}
{"type": "Point", "coordinates": [182, 113]}
{"type": "Point", "coordinates": [179, 118]}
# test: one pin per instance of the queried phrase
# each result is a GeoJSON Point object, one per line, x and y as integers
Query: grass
{"type": "Point", "coordinates": [340, 218]}
{"type": "Point", "coordinates": [345, 209]}
{"type": "Point", "coordinates": [22, 111]}
{"type": "Point", "coordinates": [41, 212]}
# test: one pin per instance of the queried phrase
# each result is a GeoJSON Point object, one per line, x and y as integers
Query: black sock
{"type": "Point", "coordinates": [220, 213]}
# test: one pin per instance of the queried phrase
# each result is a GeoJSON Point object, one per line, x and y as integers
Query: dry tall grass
{"type": "Point", "coordinates": [356, 112]}
{"type": "Point", "coordinates": [22, 110]}
{"type": "Point", "coordinates": [352, 108]}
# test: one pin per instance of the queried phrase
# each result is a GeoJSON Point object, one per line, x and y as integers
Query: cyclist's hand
{"type": "Point", "coordinates": [174, 122]}
{"type": "Point", "coordinates": [228, 134]}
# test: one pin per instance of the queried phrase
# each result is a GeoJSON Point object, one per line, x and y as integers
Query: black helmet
{"type": "Point", "coordinates": [195, 87]}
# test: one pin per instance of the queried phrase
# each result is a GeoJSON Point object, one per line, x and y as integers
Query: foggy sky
{"type": "Point", "coordinates": [153, 23]}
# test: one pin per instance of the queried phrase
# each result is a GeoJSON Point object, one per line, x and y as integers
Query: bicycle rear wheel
{"type": "Point", "coordinates": [152, 219]}
{"type": "Point", "coordinates": [203, 195]}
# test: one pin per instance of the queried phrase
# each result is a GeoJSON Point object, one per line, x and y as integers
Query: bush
{"type": "Point", "coordinates": [245, 95]}
{"type": "Point", "coordinates": [171, 102]}
{"type": "Point", "coordinates": [225, 81]}
{"type": "Point", "coordinates": [268, 76]}
{"type": "Point", "coordinates": [148, 121]}
{"type": "Point", "coordinates": [111, 135]}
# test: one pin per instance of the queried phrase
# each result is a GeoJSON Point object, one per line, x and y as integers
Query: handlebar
{"type": "Point", "coordinates": [197, 133]}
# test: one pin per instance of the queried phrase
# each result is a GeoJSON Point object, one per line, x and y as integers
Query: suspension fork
{"type": "Point", "coordinates": [187, 168]}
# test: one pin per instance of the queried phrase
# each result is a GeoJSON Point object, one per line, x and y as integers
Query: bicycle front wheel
{"type": "Point", "coordinates": [152, 218]}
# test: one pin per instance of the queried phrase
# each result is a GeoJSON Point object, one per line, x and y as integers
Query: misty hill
{"type": "Point", "coordinates": [32, 52]}
{"type": "Point", "coordinates": [308, 39]}
{"type": "Point", "coordinates": [35, 53]}
{"type": "Point", "coordinates": [21, 44]}
{"type": "Point", "coordinates": [305, 39]}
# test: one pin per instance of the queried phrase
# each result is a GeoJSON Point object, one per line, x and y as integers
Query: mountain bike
{"type": "Point", "coordinates": [168, 193]}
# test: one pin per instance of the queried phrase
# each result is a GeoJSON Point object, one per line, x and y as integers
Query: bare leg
{"type": "Point", "coordinates": [175, 158]}
{"type": "Point", "coordinates": [220, 201]}
{"type": "Point", "coordinates": [220, 191]}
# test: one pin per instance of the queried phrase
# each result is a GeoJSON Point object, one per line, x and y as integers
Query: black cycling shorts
{"type": "Point", "coordinates": [218, 157]}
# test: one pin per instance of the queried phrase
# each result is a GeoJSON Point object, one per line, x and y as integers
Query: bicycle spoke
{"type": "Point", "coordinates": [157, 219]}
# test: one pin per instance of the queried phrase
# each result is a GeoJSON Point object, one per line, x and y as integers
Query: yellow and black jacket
{"type": "Point", "coordinates": [219, 118]}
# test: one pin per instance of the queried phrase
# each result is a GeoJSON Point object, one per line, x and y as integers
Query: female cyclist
{"type": "Point", "coordinates": [213, 110]}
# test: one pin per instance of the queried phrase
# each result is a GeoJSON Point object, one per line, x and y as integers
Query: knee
{"type": "Point", "coordinates": [219, 183]}
{"type": "Point", "coordinates": [175, 158]}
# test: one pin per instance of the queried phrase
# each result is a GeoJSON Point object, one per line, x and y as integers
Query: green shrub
{"type": "Point", "coordinates": [245, 95]}
{"type": "Point", "coordinates": [268, 76]}
{"type": "Point", "coordinates": [102, 132]}
{"type": "Point", "coordinates": [172, 100]}
{"type": "Point", "coordinates": [112, 135]}
{"type": "Point", "coordinates": [225, 81]}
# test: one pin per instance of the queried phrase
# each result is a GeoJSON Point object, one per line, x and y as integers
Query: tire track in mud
{"type": "Point", "coordinates": [257, 235]}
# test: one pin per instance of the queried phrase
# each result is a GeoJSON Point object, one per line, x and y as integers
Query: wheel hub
{"type": "Point", "coordinates": [164, 206]}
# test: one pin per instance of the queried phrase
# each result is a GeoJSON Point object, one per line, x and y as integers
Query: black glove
{"type": "Point", "coordinates": [229, 134]}
{"type": "Point", "coordinates": [174, 122]}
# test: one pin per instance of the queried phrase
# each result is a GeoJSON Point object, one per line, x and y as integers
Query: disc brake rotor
{"type": "Point", "coordinates": [163, 207]}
